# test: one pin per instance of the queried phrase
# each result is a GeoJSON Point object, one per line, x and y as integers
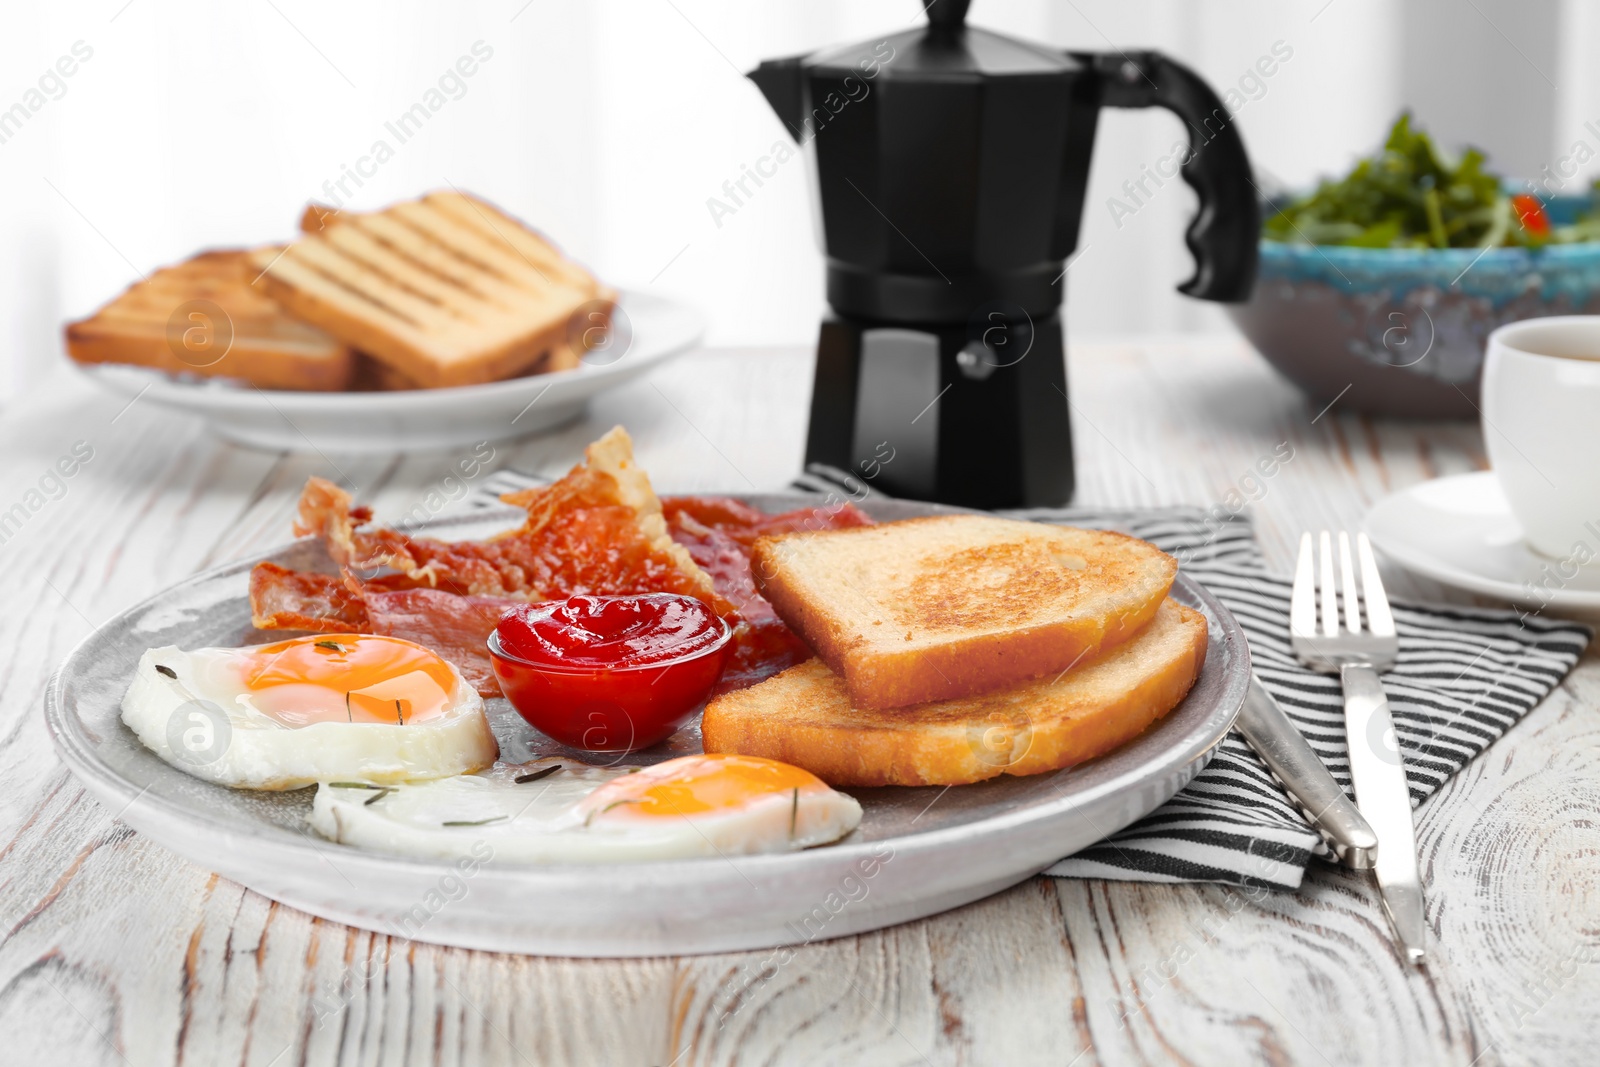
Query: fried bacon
{"type": "Point", "coordinates": [601, 529]}
{"type": "Point", "coordinates": [718, 532]}
{"type": "Point", "coordinates": [282, 599]}
{"type": "Point", "coordinates": [744, 524]}
{"type": "Point", "coordinates": [456, 627]}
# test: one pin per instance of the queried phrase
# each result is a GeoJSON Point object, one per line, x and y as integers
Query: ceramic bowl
{"type": "Point", "coordinates": [1402, 332]}
{"type": "Point", "coordinates": [611, 709]}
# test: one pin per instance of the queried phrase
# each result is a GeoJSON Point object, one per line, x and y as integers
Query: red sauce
{"type": "Point", "coordinates": [609, 631]}
{"type": "Point", "coordinates": [609, 673]}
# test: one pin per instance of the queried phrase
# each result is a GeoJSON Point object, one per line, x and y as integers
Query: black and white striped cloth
{"type": "Point", "coordinates": [1465, 677]}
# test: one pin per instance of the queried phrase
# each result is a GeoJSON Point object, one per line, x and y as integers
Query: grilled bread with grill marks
{"type": "Point", "coordinates": [169, 321]}
{"type": "Point", "coordinates": [446, 290]}
{"type": "Point", "coordinates": [952, 606]}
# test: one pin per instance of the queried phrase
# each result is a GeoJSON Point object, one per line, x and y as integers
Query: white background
{"type": "Point", "coordinates": [609, 123]}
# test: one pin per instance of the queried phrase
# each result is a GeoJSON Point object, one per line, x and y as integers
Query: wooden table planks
{"type": "Point", "coordinates": [115, 951]}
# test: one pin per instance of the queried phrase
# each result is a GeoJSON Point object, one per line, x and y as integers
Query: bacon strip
{"type": "Point", "coordinates": [601, 529]}
{"type": "Point", "coordinates": [718, 532]}
{"type": "Point", "coordinates": [282, 599]}
{"type": "Point", "coordinates": [744, 524]}
{"type": "Point", "coordinates": [456, 627]}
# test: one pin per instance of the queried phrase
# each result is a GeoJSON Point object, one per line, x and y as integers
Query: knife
{"type": "Point", "coordinates": [1284, 750]}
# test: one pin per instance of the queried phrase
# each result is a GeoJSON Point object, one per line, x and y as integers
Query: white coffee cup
{"type": "Point", "coordinates": [1541, 425]}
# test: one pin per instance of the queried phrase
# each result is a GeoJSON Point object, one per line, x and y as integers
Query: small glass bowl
{"type": "Point", "coordinates": [610, 709]}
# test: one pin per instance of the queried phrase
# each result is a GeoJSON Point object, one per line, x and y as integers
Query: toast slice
{"type": "Point", "coordinates": [375, 376]}
{"type": "Point", "coordinates": [257, 342]}
{"type": "Point", "coordinates": [446, 290]}
{"type": "Point", "coordinates": [951, 606]}
{"type": "Point", "coordinates": [804, 716]}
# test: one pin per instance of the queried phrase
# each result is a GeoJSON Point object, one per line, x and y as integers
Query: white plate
{"type": "Point", "coordinates": [916, 852]}
{"type": "Point", "coordinates": [1460, 531]}
{"type": "Point", "coordinates": [651, 329]}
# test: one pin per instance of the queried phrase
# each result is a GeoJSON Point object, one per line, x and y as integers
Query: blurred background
{"type": "Point", "coordinates": [611, 123]}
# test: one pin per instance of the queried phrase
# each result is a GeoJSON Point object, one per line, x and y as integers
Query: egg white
{"type": "Point", "coordinates": [546, 821]}
{"type": "Point", "coordinates": [236, 745]}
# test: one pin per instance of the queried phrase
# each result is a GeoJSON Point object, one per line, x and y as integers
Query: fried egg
{"type": "Point", "coordinates": [561, 811]}
{"type": "Point", "coordinates": [331, 707]}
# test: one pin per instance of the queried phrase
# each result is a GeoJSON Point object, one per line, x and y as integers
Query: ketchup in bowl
{"type": "Point", "coordinates": [609, 673]}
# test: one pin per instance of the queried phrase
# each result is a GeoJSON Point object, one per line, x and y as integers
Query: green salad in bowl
{"type": "Point", "coordinates": [1410, 195]}
{"type": "Point", "coordinates": [1383, 285]}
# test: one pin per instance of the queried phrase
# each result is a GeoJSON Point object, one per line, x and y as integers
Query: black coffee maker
{"type": "Point", "coordinates": [949, 164]}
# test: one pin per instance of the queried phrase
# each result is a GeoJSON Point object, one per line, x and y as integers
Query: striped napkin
{"type": "Point", "coordinates": [1465, 677]}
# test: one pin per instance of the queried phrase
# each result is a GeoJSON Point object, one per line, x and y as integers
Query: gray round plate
{"type": "Point", "coordinates": [916, 852]}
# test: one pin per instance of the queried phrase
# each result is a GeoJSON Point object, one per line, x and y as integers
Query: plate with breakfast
{"type": "Point", "coordinates": [433, 323]}
{"type": "Point", "coordinates": [602, 722]}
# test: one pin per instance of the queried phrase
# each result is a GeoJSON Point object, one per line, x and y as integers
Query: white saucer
{"type": "Point", "coordinates": [656, 329]}
{"type": "Point", "coordinates": [1459, 530]}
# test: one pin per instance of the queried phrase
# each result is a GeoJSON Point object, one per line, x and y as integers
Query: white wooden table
{"type": "Point", "coordinates": [113, 950]}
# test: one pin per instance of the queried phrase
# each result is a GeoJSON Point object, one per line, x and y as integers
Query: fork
{"type": "Point", "coordinates": [1357, 655]}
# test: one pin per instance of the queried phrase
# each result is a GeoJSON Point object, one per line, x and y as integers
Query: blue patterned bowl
{"type": "Point", "coordinates": [1402, 331]}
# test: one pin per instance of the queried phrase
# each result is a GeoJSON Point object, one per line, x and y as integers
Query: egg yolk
{"type": "Point", "coordinates": [358, 678]}
{"type": "Point", "coordinates": [700, 784]}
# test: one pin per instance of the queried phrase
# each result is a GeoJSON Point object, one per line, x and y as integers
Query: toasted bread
{"type": "Point", "coordinates": [446, 290]}
{"type": "Point", "coordinates": [375, 376]}
{"type": "Point", "coordinates": [804, 716]}
{"type": "Point", "coordinates": [951, 606]}
{"type": "Point", "coordinates": [151, 325]}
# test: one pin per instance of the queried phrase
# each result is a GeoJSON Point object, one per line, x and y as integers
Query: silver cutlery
{"type": "Point", "coordinates": [1357, 650]}
{"type": "Point", "coordinates": [1283, 748]}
